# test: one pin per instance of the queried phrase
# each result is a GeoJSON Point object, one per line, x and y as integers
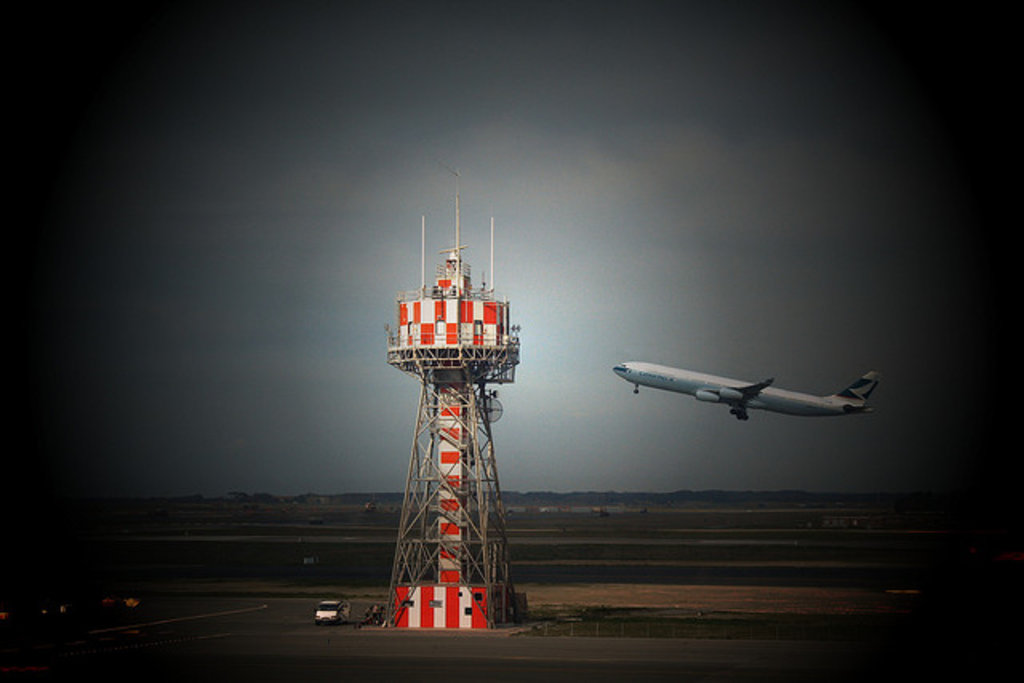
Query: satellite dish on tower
{"type": "Point", "coordinates": [493, 409]}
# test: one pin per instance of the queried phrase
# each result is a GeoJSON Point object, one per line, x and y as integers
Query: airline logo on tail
{"type": "Point", "coordinates": [862, 388]}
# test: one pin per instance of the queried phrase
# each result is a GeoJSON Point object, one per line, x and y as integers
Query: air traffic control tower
{"type": "Point", "coordinates": [451, 565]}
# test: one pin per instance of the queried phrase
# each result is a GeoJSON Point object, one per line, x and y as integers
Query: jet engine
{"type": "Point", "coordinates": [728, 394]}
{"type": "Point", "coordinates": [705, 395]}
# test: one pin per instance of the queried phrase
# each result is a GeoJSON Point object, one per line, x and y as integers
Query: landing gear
{"type": "Point", "coordinates": [636, 388]}
{"type": "Point", "coordinates": [740, 412]}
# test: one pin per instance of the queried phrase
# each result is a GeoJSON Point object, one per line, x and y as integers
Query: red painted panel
{"type": "Point", "coordinates": [479, 607]}
{"type": "Point", "coordinates": [401, 613]}
{"type": "Point", "coordinates": [451, 604]}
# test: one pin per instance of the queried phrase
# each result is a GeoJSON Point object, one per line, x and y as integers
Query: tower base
{"type": "Point", "coordinates": [451, 607]}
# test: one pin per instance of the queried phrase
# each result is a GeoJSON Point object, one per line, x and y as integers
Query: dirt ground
{"type": "Point", "coordinates": [705, 599]}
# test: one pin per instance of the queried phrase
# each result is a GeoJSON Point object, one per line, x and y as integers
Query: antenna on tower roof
{"type": "Point", "coordinates": [457, 249]}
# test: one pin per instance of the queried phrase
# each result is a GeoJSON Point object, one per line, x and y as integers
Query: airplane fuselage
{"type": "Point", "coordinates": [742, 395]}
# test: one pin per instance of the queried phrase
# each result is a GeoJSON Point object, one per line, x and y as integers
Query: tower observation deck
{"type": "Point", "coordinates": [451, 564]}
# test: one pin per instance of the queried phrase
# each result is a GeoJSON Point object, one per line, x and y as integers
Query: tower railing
{"type": "Point", "coordinates": [450, 292]}
{"type": "Point", "coordinates": [489, 362]}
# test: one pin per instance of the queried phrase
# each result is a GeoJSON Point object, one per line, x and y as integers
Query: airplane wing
{"type": "Point", "coordinates": [736, 396]}
{"type": "Point", "coordinates": [755, 389]}
{"type": "Point", "coordinates": [740, 396]}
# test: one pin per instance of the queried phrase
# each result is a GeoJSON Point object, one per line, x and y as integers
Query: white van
{"type": "Point", "coordinates": [331, 612]}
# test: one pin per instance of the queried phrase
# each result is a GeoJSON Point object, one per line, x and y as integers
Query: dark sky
{"type": "Point", "coordinates": [225, 198]}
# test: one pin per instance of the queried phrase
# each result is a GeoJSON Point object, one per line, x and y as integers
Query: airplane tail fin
{"type": "Point", "coordinates": [862, 388]}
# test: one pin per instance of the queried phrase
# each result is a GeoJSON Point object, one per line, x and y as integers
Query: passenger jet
{"type": "Point", "coordinates": [741, 396]}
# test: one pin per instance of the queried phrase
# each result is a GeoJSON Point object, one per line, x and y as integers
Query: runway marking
{"type": "Point", "coordinates": [209, 615]}
{"type": "Point", "coordinates": [138, 646]}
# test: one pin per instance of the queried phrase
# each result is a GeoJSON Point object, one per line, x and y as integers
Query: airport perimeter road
{"type": "Point", "coordinates": [275, 640]}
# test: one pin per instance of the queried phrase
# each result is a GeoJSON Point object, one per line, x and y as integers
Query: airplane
{"type": "Point", "coordinates": [741, 396]}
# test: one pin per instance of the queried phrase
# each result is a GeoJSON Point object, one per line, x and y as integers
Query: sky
{"type": "Point", "coordinates": [225, 200]}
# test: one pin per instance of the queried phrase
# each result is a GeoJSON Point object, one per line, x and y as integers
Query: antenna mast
{"type": "Point", "coordinates": [458, 242]}
{"type": "Point", "coordinates": [458, 229]}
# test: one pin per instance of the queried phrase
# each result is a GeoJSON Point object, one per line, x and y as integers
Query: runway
{"type": "Point", "coordinates": [275, 640]}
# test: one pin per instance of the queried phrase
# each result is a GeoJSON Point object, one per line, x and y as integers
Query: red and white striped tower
{"type": "Point", "coordinates": [451, 565]}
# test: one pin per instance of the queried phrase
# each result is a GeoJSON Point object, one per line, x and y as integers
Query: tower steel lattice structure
{"type": "Point", "coordinates": [451, 563]}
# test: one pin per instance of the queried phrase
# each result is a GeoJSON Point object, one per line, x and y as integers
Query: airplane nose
{"type": "Point", "coordinates": [619, 369]}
